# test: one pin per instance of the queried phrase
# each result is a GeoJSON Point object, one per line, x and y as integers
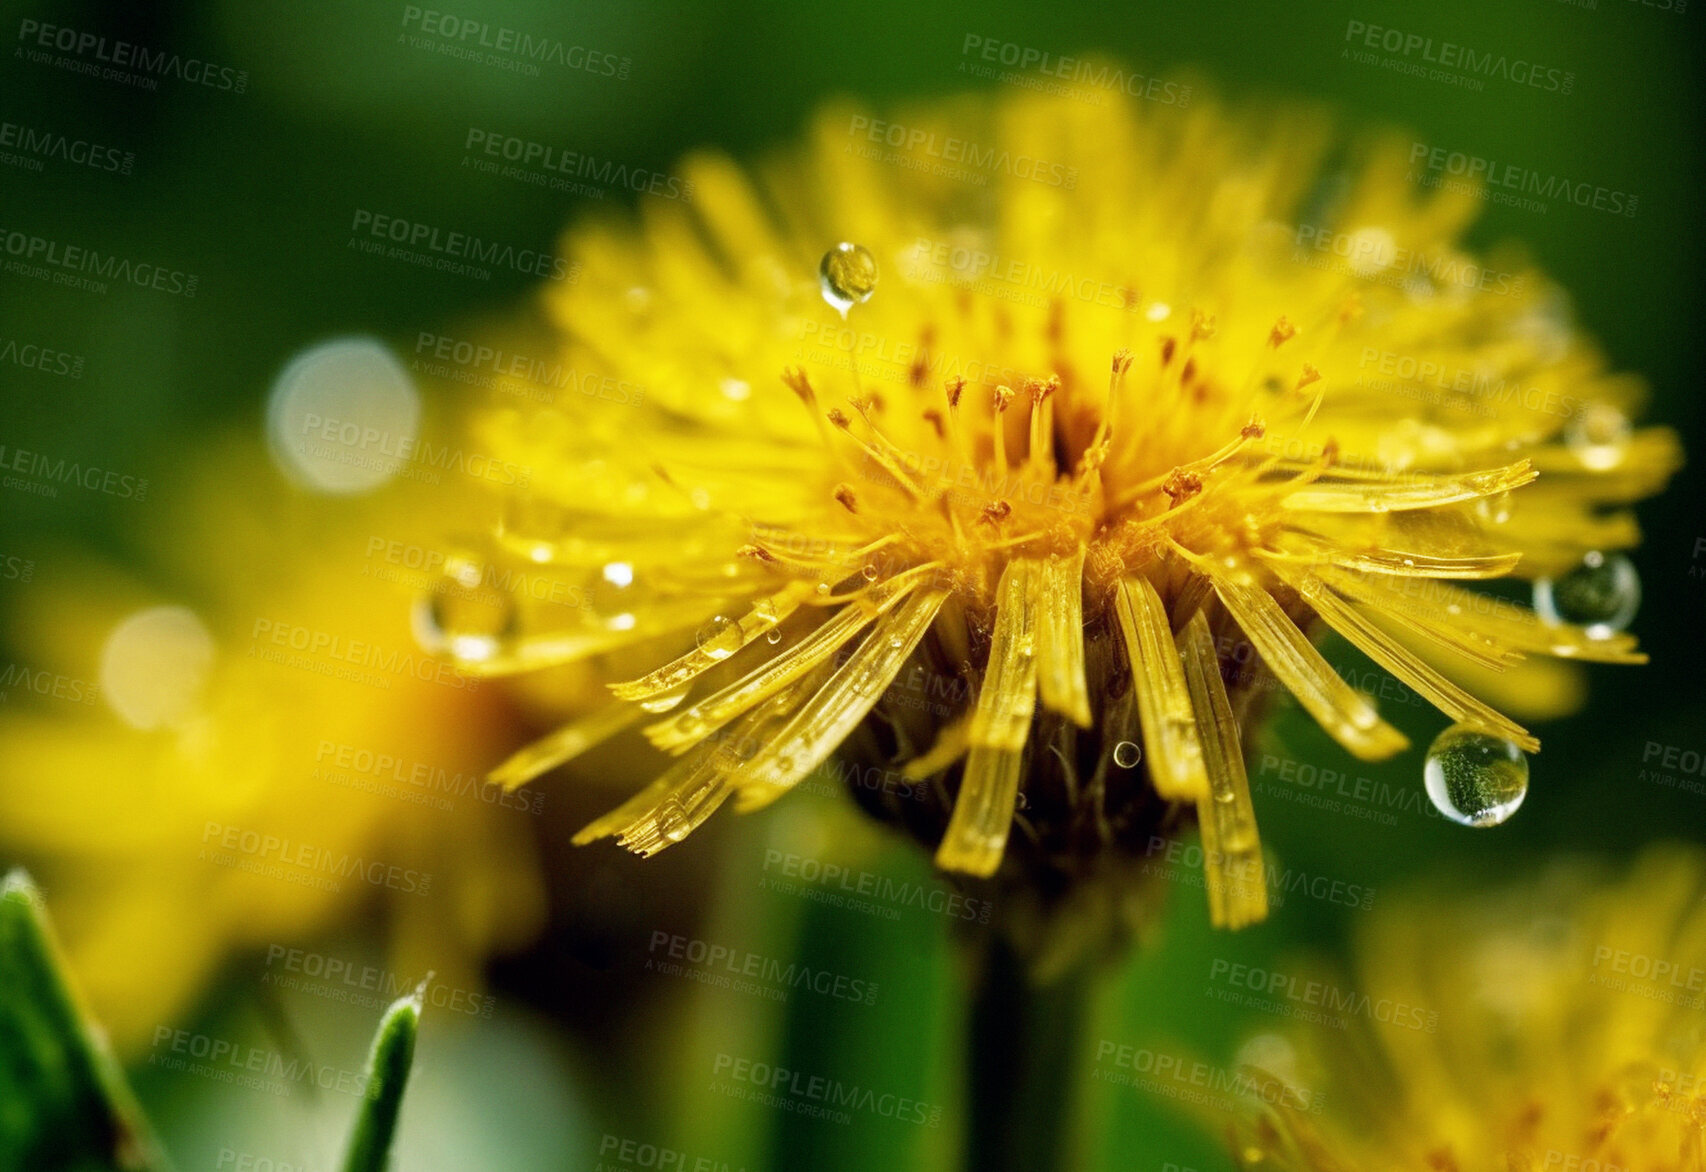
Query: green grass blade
{"type": "Point", "coordinates": [387, 1074]}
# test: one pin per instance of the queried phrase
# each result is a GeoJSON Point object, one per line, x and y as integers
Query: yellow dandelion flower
{"type": "Point", "coordinates": [1556, 1026]}
{"type": "Point", "coordinates": [234, 747]}
{"type": "Point", "coordinates": [986, 442]}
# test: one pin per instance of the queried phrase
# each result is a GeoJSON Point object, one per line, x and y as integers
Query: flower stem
{"type": "Point", "coordinates": [1024, 1066]}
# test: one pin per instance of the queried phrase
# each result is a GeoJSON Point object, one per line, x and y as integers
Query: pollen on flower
{"type": "Point", "coordinates": [1088, 559]}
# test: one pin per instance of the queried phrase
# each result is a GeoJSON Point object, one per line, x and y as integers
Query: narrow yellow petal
{"type": "Point", "coordinates": [1232, 850]}
{"type": "Point", "coordinates": [825, 720]}
{"type": "Point", "coordinates": [765, 614]}
{"type": "Point", "coordinates": [1418, 492]}
{"type": "Point", "coordinates": [1411, 606]}
{"type": "Point", "coordinates": [1060, 643]}
{"type": "Point", "coordinates": [1344, 713]}
{"type": "Point", "coordinates": [1395, 658]}
{"type": "Point", "coordinates": [566, 743]}
{"type": "Point", "coordinates": [989, 786]}
{"type": "Point", "coordinates": [1169, 725]}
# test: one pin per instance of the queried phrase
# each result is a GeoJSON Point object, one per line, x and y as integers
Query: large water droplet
{"type": "Point", "coordinates": [1601, 595]}
{"type": "Point", "coordinates": [1474, 777]}
{"type": "Point", "coordinates": [720, 638]}
{"type": "Point", "coordinates": [848, 276]}
{"type": "Point", "coordinates": [1127, 754]}
{"type": "Point", "coordinates": [664, 701]}
{"type": "Point", "coordinates": [468, 615]}
{"type": "Point", "coordinates": [1495, 509]}
{"type": "Point", "coordinates": [672, 820]}
{"type": "Point", "coordinates": [1599, 436]}
{"type": "Point", "coordinates": [612, 596]}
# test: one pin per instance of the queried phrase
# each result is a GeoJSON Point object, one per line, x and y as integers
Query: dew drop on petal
{"type": "Point", "coordinates": [468, 615]}
{"type": "Point", "coordinates": [773, 636]}
{"type": "Point", "coordinates": [1474, 777]}
{"type": "Point", "coordinates": [664, 701]}
{"type": "Point", "coordinates": [1599, 436]}
{"type": "Point", "coordinates": [343, 417]}
{"type": "Point", "coordinates": [1494, 509]}
{"type": "Point", "coordinates": [720, 637]}
{"type": "Point", "coordinates": [1127, 754]}
{"type": "Point", "coordinates": [612, 596]}
{"type": "Point", "coordinates": [847, 276]}
{"type": "Point", "coordinates": [868, 572]}
{"type": "Point", "coordinates": [154, 666]}
{"type": "Point", "coordinates": [1601, 595]}
{"type": "Point", "coordinates": [672, 820]}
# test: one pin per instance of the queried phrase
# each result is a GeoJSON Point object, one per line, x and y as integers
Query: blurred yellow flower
{"type": "Point", "coordinates": [246, 749]}
{"type": "Point", "coordinates": [1565, 1032]}
{"type": "Point", "coordinates": [985, 438]}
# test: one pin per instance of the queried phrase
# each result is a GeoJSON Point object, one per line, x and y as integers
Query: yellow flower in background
{"type": "Point", "coordinates": [248, 751]}
{"type": "Point", "coordinates": [1570, 1035]}
{"type": "Point", "coordinates": [978, 443]}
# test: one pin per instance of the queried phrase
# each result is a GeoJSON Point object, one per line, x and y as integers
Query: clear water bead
{"type": "Point", "coordinates": [1601, 595]}
{"type": "Point", "coordinates": [1474, 777]}
{"type": "Point", "coordinates": [720, 638]}
{"type": "Point", "coordinates": [1127, 754]}
{"type": "Point", "coordinates": [1599, 436]}
{"type": "Point", "coordinates": [848, 276]}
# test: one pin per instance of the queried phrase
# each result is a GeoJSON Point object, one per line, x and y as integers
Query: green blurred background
{"type": "Point", "coordinates": [254, 192]}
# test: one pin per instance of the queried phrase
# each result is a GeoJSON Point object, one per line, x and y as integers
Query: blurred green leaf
{"type": "Point", "coordinates": [64, 1103]}
{"type": "Point", "coordinates": [387, 1074]}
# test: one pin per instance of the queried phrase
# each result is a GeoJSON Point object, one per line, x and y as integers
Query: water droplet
{"type": "Point", "coordinates": [735, 390]}
{"type": "Point", "coordinates": [672, 820]}
{"type": "Point", "coordinates": [1160, 311]}
{"type": "Point", "coordinates": [823, 588]}
{"type": "Point", "coordinates": [469, 615]}
{"type": "Point", "coordinates": [1495, 509]}
{"type": "Point", "coordinates": [1601, 595]}
{"type": "Point", "coordinates": [720, 638]}
{"type": "Point", "coordinates": [773, 636]}
{"type": "Point", "coordinates": [1474, 777]}
{"type": "Point", "coordinates": [1024, 803]}
{"type": "Point", "coordinates": [1127, 754]}
{"type": "Point", "coordinates": [664, 701]}
{"type": "Point", "coordinates": [1599, 436]}
{"type": "Point", "coordinates": [848, 276]}
{"type": "Point", "coordinates": [868, 572]}
{"type": "Point", "coordinates": [613, 595]}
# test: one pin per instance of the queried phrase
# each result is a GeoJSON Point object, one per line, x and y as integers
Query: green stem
{"type": "Point", "coordinates": [1025, 1067]}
